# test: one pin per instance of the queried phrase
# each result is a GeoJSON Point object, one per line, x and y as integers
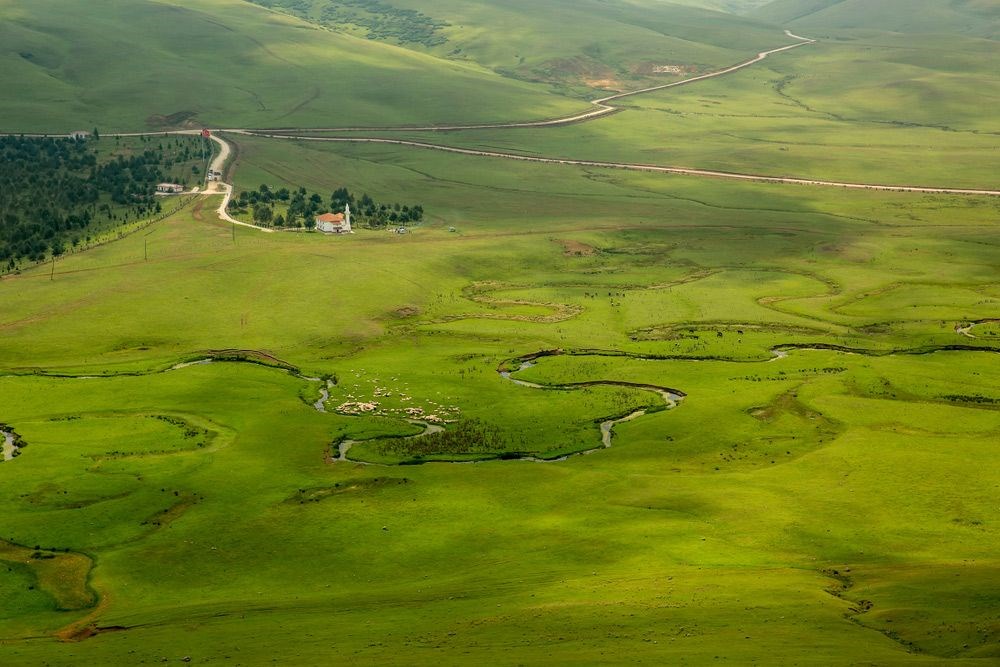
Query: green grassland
{"type": "Point", "coordinates": [976, 18]}
{"type": "Point", "coordinates": [576, 415]}
{"type": "Point", "coordinates": [878, 110]}
{"type": "Point", "coordinates": [822, 494]}
{"type": "Point", "coordinates": [229, 63]}
{"type": "Point", "coordinates": [573, 43]}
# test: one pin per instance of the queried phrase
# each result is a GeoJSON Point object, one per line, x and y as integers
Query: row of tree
{"type": "Point", "coordinates": [285, 208]}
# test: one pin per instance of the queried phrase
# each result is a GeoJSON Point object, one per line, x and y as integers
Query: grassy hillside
{"type": "Point", "coordinates": [578, 43]}
{"type": "Point", "coordinates": [882, 109]}
{"type": "Point", "coordinates": [139, 64]}
{"type": "Point", "coordinates": [731, 6]}
{"type": "Point", "coordinates": [194, 512]}
{"type": "Point", "coordinates": [973, 18]}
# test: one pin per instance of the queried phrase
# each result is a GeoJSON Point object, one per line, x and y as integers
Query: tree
{"type": "Point", "coordinates": [262, 214]}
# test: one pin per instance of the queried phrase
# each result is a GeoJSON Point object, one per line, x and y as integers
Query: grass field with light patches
{"type": "Point", "coordinates": [575, 416]}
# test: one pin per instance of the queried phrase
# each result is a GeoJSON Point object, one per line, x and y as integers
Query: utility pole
{"type": "Point", "coordinates": [52, 276]}
{"type": "Point", "coordinates": [145, 245]}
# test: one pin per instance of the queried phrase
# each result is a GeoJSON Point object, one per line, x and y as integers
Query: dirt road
{"type": "Point", "coordinates": [603, 108]}
{"type": "Point", "coordinates": [684, 171]}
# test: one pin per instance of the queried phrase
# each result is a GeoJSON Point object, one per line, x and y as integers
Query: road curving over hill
{"type": "Point", "coordinates": [603, 108]}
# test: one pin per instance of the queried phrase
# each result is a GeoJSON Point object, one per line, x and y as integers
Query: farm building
{"type": "Point", "coordinates": [169, 188]}
{"type": "Point", "coordinates": [335, 223]}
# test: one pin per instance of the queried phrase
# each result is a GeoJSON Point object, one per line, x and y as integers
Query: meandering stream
{"type": "Point", "coordinates": [345, 445]}
{"type": "Point", "coordinates": [671, 397]}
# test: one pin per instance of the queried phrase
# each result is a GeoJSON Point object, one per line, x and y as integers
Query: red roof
{"type": "Point", "coordinates": [330, 217]}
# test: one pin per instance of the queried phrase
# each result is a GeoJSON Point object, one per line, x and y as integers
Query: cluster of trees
{"type": "Point", "coordinates": [385, 22]}
{"type": "Point", "coordinates": [299, 208]}
{"type": "Point", "coordinates": [53, 190]}
{"type": "Point", "coordinates": [382, 20]}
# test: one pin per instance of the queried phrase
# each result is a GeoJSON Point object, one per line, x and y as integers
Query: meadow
{"type": "Point", "coordinates": [233, 63]}
{"type": "Point", "coordinates": [198, 511]}
{"type": "Point", "coordinates": [975, 18]}
{"type": "Point", "coordinates": [228, 63]}
{"type": "Point", "coordinates": [575, 415]}
{"type": "Point", "coordinates": [883, 109]}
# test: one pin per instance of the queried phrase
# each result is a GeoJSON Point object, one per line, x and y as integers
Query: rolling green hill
{"type": "Point", "coordinates": [973, 18]}
{"type": "Point", "coordinates": [731, 6]}
{"type": "Point", "coordinates": [139, 64]}
{"type": "Point", "coordinates": [589, 43]}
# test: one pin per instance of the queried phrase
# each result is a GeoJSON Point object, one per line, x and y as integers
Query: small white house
{"type": "Point", "coordinates": [335, 223]}
{"type": "Point", "coordinates": [169, 188]}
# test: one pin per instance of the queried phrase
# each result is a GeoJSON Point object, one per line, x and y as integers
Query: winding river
{"type": "Point", "coordinates": [671, 398]}
{"type": "Point", "coordinates": [345, 446]}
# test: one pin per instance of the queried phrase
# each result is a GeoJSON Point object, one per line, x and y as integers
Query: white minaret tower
{"type": "Point", "coordinates": [347, 217]}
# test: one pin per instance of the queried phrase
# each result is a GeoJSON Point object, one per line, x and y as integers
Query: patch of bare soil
{"type": "Point", "coordinates": [405, 311]}
{"type": "Point", "coordinates": [577, 70]}
{"type": "Point", "coordinates": [184, 119]}
{"type": "Point", "coordinates": [661, 69]}
{"type": "Point", "coordinates": [573, 248]}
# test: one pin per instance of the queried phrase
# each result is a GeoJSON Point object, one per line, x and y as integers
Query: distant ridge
{"type": "Point", "coordinates": [971, 18]}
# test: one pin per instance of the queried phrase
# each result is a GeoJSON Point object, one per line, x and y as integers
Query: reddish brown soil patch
{"type": "Point", "coordinates": [573, 248]}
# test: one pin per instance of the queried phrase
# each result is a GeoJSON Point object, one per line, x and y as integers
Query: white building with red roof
{"type": "Point", "coordinates": [335, 223]}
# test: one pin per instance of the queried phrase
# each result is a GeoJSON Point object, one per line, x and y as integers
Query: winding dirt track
{"type": "Point", "coordinates": [684, 171]}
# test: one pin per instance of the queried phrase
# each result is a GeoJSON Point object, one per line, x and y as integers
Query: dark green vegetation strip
{"type": "Point", "coordinates": [56, 195]}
